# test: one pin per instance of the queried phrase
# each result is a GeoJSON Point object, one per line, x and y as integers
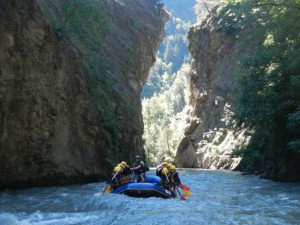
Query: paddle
{"type": "Point", "coordinates": [187, 193]}
{"type": "Point", "coordinates": [185, 190]}
{"type": "Point", "coordinates": [183, 187]}
{"type": "Point", "coordinates": [181, 197]}
{"type": "Point", "coordinates": [108, 187]}
{"type": "Point", "coordinates": [167, 178]}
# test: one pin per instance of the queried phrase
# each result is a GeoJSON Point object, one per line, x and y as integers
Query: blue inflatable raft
{"type": "Point", "coordinates": [150, 188]}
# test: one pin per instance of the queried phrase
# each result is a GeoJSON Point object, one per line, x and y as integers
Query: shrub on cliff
{"type": "Point", "coordinates": [84, 24]}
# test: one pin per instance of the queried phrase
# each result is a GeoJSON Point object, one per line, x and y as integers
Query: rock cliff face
{"type": "Point", "coordinates": [208, 140]}
{"type": "Point", "coordinates": [49, 120]}
{"type": "Point", "coordinates": [136, 31]}
{"type": "Point", "coordinates": [212, 134]}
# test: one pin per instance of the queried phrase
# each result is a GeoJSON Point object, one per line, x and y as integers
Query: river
{"type": "Point", "coordinates": [218, 197]}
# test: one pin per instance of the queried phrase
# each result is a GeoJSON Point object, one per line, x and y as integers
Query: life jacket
{"type": "Point", "coordinates": [116, 182]}
{"type": "Point", "coordinates": [165, 181]}
{"type": "Point", "coordinates": [174, 179]}
{"type": "Point", "coordinates": [125, 179]}
{"type": "Point", "coordinates": [140, 170]}
{"type": "Point", "coordinates": [126, 171]}
{"type": "Point", "coordinates": [158, 171]}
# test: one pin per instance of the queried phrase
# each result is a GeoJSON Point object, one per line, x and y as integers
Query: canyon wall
{"type": "Point", "coordinates": [211, 134]}
{"type": "Point", "coordinates": [52, 126]}
{"type": "Point", "coordinates": [220, 47]}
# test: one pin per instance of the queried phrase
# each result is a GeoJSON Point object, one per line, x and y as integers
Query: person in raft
{"type": "Point", "coordinates": [160, 167]}
{"type": "Point", "coordinates": [116, 178]}
{"type": "Point", "coordinates": [138, 170]}
{"type": "Point", "coordinates": [125, 172]}
{"type": "Point", "coordinates": [173, 177]}
{"type": "Point", "coordinates": [165, 182]}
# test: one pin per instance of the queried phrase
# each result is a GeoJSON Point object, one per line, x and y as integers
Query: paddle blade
{"type": "Point", "coordinates": [187, 193]}
{"type": "Point", "coordinates": [107, 189]}
{"type": "Point", "coordinates": [184, 187]}
{"type": "Point", "coordinates": [182, 198]}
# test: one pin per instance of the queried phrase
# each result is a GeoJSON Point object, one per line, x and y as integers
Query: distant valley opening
{"type": "Point", "coordinates": [165, 95]}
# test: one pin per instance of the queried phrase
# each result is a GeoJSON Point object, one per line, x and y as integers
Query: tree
{"type": "Point", "coordinates": [164, 118]}
{"type": "Point", "coordinates": [269, 60]}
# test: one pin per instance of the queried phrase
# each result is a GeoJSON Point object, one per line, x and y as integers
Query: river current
{"type": "Point", "coordinates": [218, 197]}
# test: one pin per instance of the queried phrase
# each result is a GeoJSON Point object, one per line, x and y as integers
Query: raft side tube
{"type": "Point", "coordinates": [144, 190]}
{"type": "Point", "coordinates": [153, 179]}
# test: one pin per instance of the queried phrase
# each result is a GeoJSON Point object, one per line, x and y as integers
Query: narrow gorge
{"type": "Point", "coordinates": [72, 74]}
{"type": "Point", "coordinates": [111, 109]}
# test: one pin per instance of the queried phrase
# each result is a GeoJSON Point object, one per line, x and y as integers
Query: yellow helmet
{"type": "Point", "coordinates": [169, 165]}
{"type": "Point", "coordinates": [165, 171]}
{"type": "Point", "coordinates": [172, 167]}
{"type": "Point", "coordinates": [117, 169]}
{"type": "Point", "coordinates": [165, 163]}
{"type": "Point", "coordinates": [123, 163]}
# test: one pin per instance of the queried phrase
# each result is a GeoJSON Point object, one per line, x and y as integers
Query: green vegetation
{"type": "Point", "coordinates": [169, 58]}
{"type": "Point", "coordinates": [84, 23]}
{"type": "Point", "coordinates": [165, 96]}
{"type": "Point", "coordinates": [164, 119]}
{"type": "Point", "coordinates": [76, 19]}
{"type": "Point", "coordinates": [173, 52]}
{"type": "Point", "coordinates": [269, 74]}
